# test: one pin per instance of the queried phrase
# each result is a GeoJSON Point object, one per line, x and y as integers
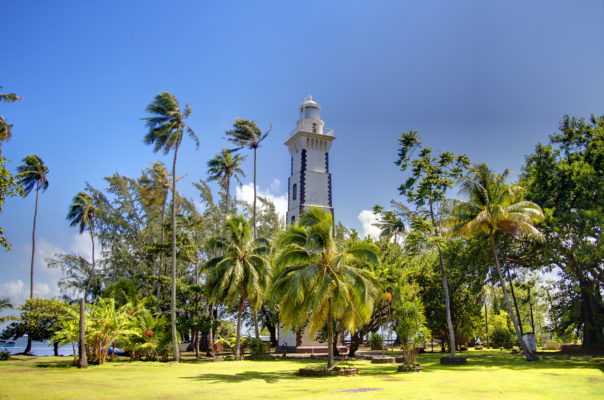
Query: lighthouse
{"type": "Point", "coordinates": [309, 184]}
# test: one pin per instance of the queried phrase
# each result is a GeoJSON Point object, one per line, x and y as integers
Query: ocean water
{"type": "Point", "coordinates": [37, 348]}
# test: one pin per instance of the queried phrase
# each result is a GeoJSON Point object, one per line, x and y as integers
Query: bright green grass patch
{"type": "Point", "coordinates": [489, 374]}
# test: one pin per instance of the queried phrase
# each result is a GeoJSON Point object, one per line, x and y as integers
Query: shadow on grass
{"type": "Point", "coordinates": [268, 377]}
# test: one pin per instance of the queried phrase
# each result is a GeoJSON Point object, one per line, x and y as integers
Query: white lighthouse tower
{"type": "Point", "coordinates": [309, 184]}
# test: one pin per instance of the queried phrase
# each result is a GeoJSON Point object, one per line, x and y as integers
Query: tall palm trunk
{"type": "Point", "coordinates": [31, 273]}
{"type": "Point", "coordinates": [254, 213]}
{"type": "Point", "coordinates": [211, 332]}
{"type": "Point", "coordinates": [162, 240]}
{"type": "Point", "coordinates": [238, 338]}
{"type": "Point", "coordinates": [329, 335]}
{"type": "Point", "coordinates": [227, 189]}
{"type": "Point", "coordinates": [445, 287]}
{"type": "Point", "coordinates": [93, 266]}
{"type": "Point", "coordinates": [515, 304]}
{"type": "Point", "coordinates": [173, 297]}
{"type": "Point", "coordinates": [83, 361]}
{"type": "Point", "coordinates": [529, 355]}
{"type": "Point", "coordinates": [256, 330]}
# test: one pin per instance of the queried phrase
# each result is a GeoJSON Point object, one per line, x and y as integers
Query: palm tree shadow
{"type": "Point", "coordinates": [268, 377]}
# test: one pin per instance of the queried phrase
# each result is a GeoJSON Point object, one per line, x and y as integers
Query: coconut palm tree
{"type": "Point", "coordinates": [318, 279]}
{"type": "Point", "coordinates": [32, 174]}
{"type": "Point", "coordinates": [246, 134]}
{"type": "Point", "coordinates": [221, 168]}
{"type": "Point", "coordinates": [166, 129]}
{"type": "Point", "coordinates": [5, 302]}
{"type": "Point", "coordinates": [494, 206]}
{"type": "Point", "coordinates": [5, 127]}
{"type": "Point", "coordinates": [241, 272]}
{"type": "Point", "coordinates": [82, 213]}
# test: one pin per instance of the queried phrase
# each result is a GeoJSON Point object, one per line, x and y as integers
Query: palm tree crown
{"type": "Point", "coordinates": [167, 123]}
{"type": "Point", "coordinates": [82, 212]}
{"type": "Point", "coordinates": [224, 166]}
{"type": "Point", "coordinates": [316, 275]}
{"type": "Point", "coordinates": [242, 270]}
{"type": "Point", "coordinates": [5, 127]}
{"type": "Point", "coordinates": [33, 174]}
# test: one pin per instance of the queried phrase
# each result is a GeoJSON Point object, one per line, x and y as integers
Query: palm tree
{"type": "Point", "coordinates": [166, 128]}
{"type": "Point", "coordinates": [494, 206]}
{"type": "Point", "coordinates": [246, 134]}
{"type": "Point", "coordinates": [33, 174]}
{"type": "Point", "coordinates": [315, 275]}
{"type": "Point", "coordinates": [241, 273]}
{"type": "Point", "coordinates": [5, 302]}
{"type": "Point", "coordinates": [221, 168]}
{"type": "Point", "coordinates": [5, 127]}
{"type": "Point", "coordinates": [82, 212]}
{"type": "Point", "coordinates": [391, 226]}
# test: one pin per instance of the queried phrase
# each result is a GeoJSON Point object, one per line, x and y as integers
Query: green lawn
{"type": "Point", "coordinates": [489, 374]}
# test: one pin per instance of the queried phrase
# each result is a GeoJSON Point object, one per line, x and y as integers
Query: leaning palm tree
{"type": "Point", "coordinates": [82, 213]}
{"type": "Point", "coordinates": [5, 302]}
{"type": "Point", "coordinates": [246, 134]}
{"type": "Point", "coordinates": [166, 129]}
{"type": "Point", "coordinates": [222, 168]}
{"type": "Point", "coordinates": [241, 273]}
{"type": "Point", "coordinates": [318, 279]}
{"type": "Point", "coordinates": [32, 174]}
{"type": "Point", "coordinates": [494, 206]}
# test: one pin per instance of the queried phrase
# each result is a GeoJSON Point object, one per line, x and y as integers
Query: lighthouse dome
{"type": "Point", "coordinates": [310, 109]}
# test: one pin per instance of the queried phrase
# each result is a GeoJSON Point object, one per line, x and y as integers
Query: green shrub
{"type": "Point", "coordinates": [502, 337]}
{"type": "Point", "coordinates": [4, 355]}
{"type": "Point", "coordinates": [376, 341]}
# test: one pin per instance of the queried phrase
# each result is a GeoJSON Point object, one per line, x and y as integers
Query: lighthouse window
{"type": "Point", "coordinates": [314, 128]}
{"type": "Point", "coordinates": [294, 191]}
{"type": "Point", "coordinates": [293, 220]}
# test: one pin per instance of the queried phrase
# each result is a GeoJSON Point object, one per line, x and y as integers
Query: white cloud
{"type": "Point", "coordinates": [81, 245]}
{"type": "Point", "coordinates": [367, 219]}
{"type": "Point", "coordinates": [246, 193]}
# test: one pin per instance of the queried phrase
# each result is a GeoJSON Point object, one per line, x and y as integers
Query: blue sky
{"type": "Point", "coordinates": [488, 79]}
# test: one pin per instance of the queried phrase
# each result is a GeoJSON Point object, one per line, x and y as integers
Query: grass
{"type": "Point", "coordinates": [489, 374]}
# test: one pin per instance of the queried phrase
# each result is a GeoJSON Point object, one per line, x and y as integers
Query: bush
{"type": "Point", "coordinates": [502, 337]}
{"type": "Point", "coordinates": [376, 341]}
{"type": "Point", "coordinates": [4, 355]}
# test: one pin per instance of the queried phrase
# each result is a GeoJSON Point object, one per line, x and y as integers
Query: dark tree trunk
{"type": "Point", "coordinates": [238, 338]}
{"type": "Point", "coordinates": [515, 304]}
{"type": "Point", "coordinates": [211, 333]}
{"type": "Point", "coordinates": [329, 335]}
{"type": "Point", "coordinates": [33, 247]}
{"type": "Point", "coordinates": [27, 350]}
{"type": "Point", "coordinates": [356, 340]}
{"type": "Point", "coordinates": [55, 348]}
{"type": "Point", "coordinates": [272, 329]}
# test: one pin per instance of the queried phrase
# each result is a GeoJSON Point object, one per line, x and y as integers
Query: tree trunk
{"type": "Point", "coordinates": [515, 304]}
{"type": "Point", "coordinates": [33, 247]}
{"type": "Point", "coordinates": [91, 226]}
{"type": "Point", "coordinates": [173, 296]}
{"type": "Point", "coordinates": [27, 350]}
{"type": "Point", "coordinates": [238, 338]}
{"type": "Point", "coordinates": [256, 328]}
{"type": "Point", "coordinates": [211, 333]}
{"type": "Point", "coordinates": [329, 335]}
{"type": "Point", "coordinates": [83, 361]}
{"type": "Point", "coordinates": [486, 322]}
{"type": "Point", "coordinates": [254, 213]}
{"type": "Point", "coordinates": [272, 329]}
{"type": "Point", "coordinates": [55, 348]}
{"type": "Point", "coordinates": [529, 355]}
{"type": "Point", "coordinates": [161, 254]}
{"type": "Point", "coordinates": [531, 309]}
{"type": "Point", "coordinates": [445, 287]}
{"type": "Point", "coordinates": [355, 341]}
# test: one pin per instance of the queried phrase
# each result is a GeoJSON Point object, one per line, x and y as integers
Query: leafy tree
{"type": "Point", "coordinates": [410, 322]}
{"type": "Point", "coordinates": [316, 276]}
{"type": "Point", "coordinates": [241, 272]}
{"type": "Point", "coordinates": [5, 127]}
{"type": "Point", "coordinates": [391, 226]}
{"type": "Point", "coordinates": [431, 177]}
{"type": "Point", "coordinates": [246, 134]}
{"type": "Point", "coordinates": [494, 206]}
{"type": "Point", "coordinates": [566, 178]}
{"type": "Point", "coordinates": [222, 168]}
{"type": "Point", "coordinates": [9, 187]}
{"type": "Point", "coordinates": [32, 174]}
{"type": "Point", "coordinates": [82, 212]}
{"type": "Point", "coordinates": [166, 128]}
{"type": "Point", "coordinates": [38, 319]}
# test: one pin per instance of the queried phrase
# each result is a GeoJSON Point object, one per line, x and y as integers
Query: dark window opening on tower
{"type": "Point", "coordinates": [293, 219]}
{"type": "Point", "coordinates": [294, 191]}
{"type": "Point", "coordinates": [314, 128]}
